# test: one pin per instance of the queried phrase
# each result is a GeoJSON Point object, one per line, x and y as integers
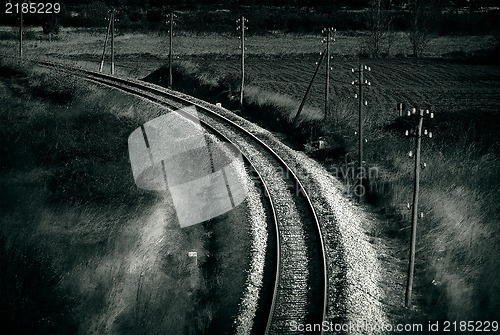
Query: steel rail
{"type": "Point", "coordinates": [140, 88]}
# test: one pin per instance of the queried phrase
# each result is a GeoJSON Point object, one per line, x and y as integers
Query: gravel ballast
{"type": "Point", "coordinates": [355, 298]}
{"type": "Point", "coordinates": [354, 271]}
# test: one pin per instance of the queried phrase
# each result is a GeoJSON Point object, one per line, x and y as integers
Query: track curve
{"type": "Point", "coordinates": [300, 286]}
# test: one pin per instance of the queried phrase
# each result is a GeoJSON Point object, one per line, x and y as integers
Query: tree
{"type": "Point", "coordinates": [379, 24]}
{"type": "Point", "coordinates": [50, 27]}
{"type": "Point", "coordinates": [422, 15]}
{"type": "Point", "coordinates": [376, 23]}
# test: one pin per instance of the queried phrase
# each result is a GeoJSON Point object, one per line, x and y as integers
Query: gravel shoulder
{"type": "Point", "coordinates": [356, 274]}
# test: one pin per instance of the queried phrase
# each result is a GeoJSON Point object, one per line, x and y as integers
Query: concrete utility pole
{"type": "Point", "coordinates": [105, 43]}
{"type": "Point", "coordinates": [417, 133]}
{"type": "Point", "coordinates": [327, 40]}
{"type": "Point", "coordinates": [360, 83]}
{"type": "Point", "coordinates": [241, 27]}
{"type": "Point", "coordinates": [170, 50]}
{"type": "Point", "coordinates": [318, 64]}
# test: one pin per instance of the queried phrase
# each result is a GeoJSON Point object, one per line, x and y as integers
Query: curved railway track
{"type": "Point", "coordinates": [300, 285]}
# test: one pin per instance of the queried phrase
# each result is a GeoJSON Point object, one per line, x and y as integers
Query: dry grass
{"type": "Point", "coordinates": [457, 269]}
{"type": "Point", "coordinates": [83, 43]}
{"type": "Point", "coordinates": [106, 256]}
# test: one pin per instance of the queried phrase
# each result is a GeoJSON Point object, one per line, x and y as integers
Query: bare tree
{"type": "Point", "coordinates": [379, 21]}
{"type": "Point", "coordinates": [391, 34]}
{"type": "Point", "coordinates": [422, 14]}
{"type": "Point", "coordinates": [51, 27]}
{"type": "Point", "coordinates": [376, 22]}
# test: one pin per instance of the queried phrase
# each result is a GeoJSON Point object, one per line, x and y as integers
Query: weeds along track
{"type": "Point", "coordinates": [300, 275]}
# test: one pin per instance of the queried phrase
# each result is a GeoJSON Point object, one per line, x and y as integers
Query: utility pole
{"type": "Point", "coordinates": [318, 64]}
{"type": "Point", "coordinates": [417, 133]}
{"type": "Point", "coordinates": [105, 43]}
{"type": "Point", "coordinates": [360, 83]}
{"type": "Point", "coordinates": [21, 34]}
{"type": "Point", "coordinates": [241, 27]}
{"type": "Point", "coordinates": [113, 41]}
{"type": "Point", "coordinates": [400, 107]}
{"type": "Point", "coordinates": [170, 50]}
{"type": "Point", "coordinates": [327, 40]}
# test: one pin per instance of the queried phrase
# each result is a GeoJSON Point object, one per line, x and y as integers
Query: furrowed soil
{"type": "Point", "coordinates": [446, 85]}
{"type": "Point", "coordinates": [457, 272]}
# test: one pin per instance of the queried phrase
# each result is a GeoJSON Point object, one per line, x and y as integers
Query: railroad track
{"type": "Point", "coordinates": [300, 282]}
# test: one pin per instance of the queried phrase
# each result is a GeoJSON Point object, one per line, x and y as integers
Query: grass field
{"type": "Point", "coordinates": [89, 43]}
{"type": "Point", "coordinates": [456, 271]}
{"type": "Point", "coordinates": [459, 189]}
{"type": "Point", "coordinates": [82, 248]}
{"type": "Point", "coordinates": [460, 186]}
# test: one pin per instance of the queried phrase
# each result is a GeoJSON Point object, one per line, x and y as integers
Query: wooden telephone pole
{"type": "Point", "coordinates": [326, 51]}
{"type": "Point", "coordinates": [360, 83]}
{"type": "Point", "coordinates": [241, 27]}
{"type": "Point", "coordinates": [110, 32]}
{"type": "Point", "coordinates": [21, 34]}
{"type": "Point", "coordinates": [105, 43]}
{"type": "Point", "coordinates": [302, 103]}
{"type": "Point", "coordinates": [112, 41]}
{"type": "Point", "coordinates": [170, 50]}
{"type": "Point", "coordinates": [417, 133]}
{"type": "Point", "coordinates": [327, 40]}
